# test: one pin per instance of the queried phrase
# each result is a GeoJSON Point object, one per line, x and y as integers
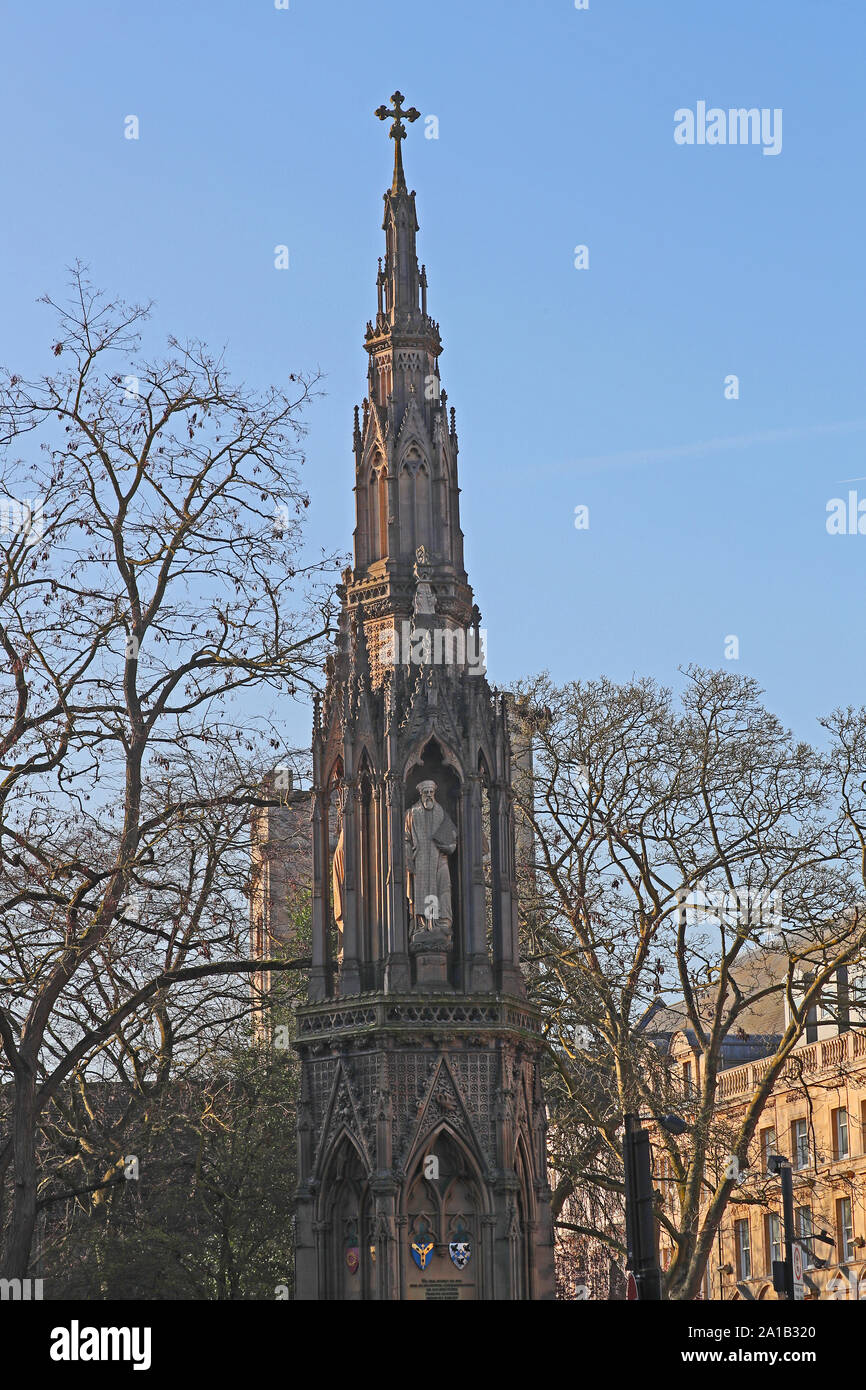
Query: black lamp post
{"type": "Point", "coordinates": [640, 1222]}
{"type": "Point", "coordinates": [783, 1270]}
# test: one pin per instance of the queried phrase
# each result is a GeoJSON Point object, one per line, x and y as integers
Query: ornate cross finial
{"type": "Point", "coordinates": [398, 130]}
{"type": "Point", "coordinates": [398, 133]}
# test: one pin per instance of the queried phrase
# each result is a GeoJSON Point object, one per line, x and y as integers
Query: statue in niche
{"type": "Point", "coordinates": [431, 836]}
{"type": "Point", "coordinates": [425, 599]}
{"type": "Point", "coordinates": [338, 880]}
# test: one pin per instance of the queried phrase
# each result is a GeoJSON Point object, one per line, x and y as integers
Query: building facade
{"type": "Point", "coordinates": [280, 882]}
{"type": "Point", "coordinates": [815, 1117]}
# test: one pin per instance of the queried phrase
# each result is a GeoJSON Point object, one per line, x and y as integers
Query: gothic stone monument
{"type": "Point", "coordinates": [422, 1165]}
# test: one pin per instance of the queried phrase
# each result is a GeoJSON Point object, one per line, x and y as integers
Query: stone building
{"type": "Point", "coordinates": [280, 879]}
{"type": "Point", "coordinates": [816, 1117]}
{"type": "Point", "coordinates": [422, 1152]}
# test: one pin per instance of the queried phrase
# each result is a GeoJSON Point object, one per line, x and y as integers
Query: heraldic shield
{"type": "Point", "coordinates": [423, 1245]}
{"type": "Point", "coordinates": [460, 1248]}
{"type": "Point", "coordinates": [460, 1252]}
{"type": "Point", "coordinates": [353, 1250]}
{"type": "Point", "coordinates": [421, 1253]}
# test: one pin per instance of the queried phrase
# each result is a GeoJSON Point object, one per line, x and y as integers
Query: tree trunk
{"type": "Point", "coordinates": [23, 1215]}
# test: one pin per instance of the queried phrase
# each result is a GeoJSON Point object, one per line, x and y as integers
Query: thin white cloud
{"type": "Point", "coordinates": [715, 446]}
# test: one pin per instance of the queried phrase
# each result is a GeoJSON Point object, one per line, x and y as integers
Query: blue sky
{"type": "Point", "coordinates": [602, 387]}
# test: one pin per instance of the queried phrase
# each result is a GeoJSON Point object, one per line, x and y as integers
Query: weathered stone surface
{"type": "Point", "coordinates": [422, 1131]}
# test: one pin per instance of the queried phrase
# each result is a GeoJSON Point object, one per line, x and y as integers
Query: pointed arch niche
{"type": "Point", "coordinates": [333, 831]}
{"type": "Point", "coordinates": [436, 763]}
{"type": "Point", "coordinates": [521, 1223]}
{"type": "Point", "coordinates": [445, 1211]}
{"type": "Point", "coordinates": [373, 510]}
{"type": "Point", "coordinates": [345, 1225]}
{"type": "Point", "coordinates": [487, 847]}
{"type": "Point", "coordinates": [416, 503]}
{"type": "Point", "coordinates": [371, 875]}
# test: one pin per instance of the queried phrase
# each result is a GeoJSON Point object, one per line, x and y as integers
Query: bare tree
{"type": "Point", "coordinates": [152, 599]}
{"type": "Point", "coordinates": [692, 853]}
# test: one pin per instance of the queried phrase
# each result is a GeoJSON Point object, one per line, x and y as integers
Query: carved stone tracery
{"type": "Point", "coordinates": [409, 1054]}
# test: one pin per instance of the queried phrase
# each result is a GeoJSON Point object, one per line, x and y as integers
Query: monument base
{"type": "Point", "coordinates": [439, 1073]}
{"type": "Point", "coordinates": [431, 948]}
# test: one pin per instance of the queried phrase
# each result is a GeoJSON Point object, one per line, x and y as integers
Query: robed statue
{"type": "Point", "coordinates": [338, 880]}
{"type": "Point", "coordinates": [431, 836]}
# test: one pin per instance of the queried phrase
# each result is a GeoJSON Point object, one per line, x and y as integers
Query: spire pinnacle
{"type": "Point", "coordinates": [398, 134]}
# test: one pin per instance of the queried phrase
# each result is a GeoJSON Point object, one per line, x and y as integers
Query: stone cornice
{"type": "Point", "coordinates": [372, 1017]}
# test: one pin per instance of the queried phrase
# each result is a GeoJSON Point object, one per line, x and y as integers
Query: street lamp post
{"type": "Point", "coordinates": [783, 1270]}
{"type": "Point", "coordinates": [640, 1221]}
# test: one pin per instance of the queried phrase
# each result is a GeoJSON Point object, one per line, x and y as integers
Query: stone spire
{"type": "Point", "coordinates": [402, 321]}
{"type": "Point", "coordinates": [419, 1048]}
{"type": "Point", "coordinates": [406, 488]}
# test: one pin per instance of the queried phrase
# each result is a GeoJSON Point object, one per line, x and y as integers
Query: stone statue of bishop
{"type": "Point", "coordinates": [431, 836]}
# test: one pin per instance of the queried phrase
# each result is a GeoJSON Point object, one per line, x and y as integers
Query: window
{"type": "Point", "coordinates": [844, 1230]}
{"type": "Point", "coordinates": [744, 1249]}
{"type": "Point", "coordinates": [863, 1126]}
{"type": "Point", "coordinates": [800, 1143]}
{"type": "Point", "coordinates": [804, 1229]}
{"type": "Point", "coordinates": [772, 1238]}
{"type": "Point", "coordinates": [667, 1182]}
{"type": "Point", "coordinates": [768, 1145]}
{"type": "Point", "coordinates": [687, 1079]}
{"type": "Point", "coordinates": [840, 1132]}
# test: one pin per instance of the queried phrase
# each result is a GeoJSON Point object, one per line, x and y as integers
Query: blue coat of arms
{"type": "Point", "coordinates": [422, 1249]}
{"type": "Point", "coordinates": [423, 1245]}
